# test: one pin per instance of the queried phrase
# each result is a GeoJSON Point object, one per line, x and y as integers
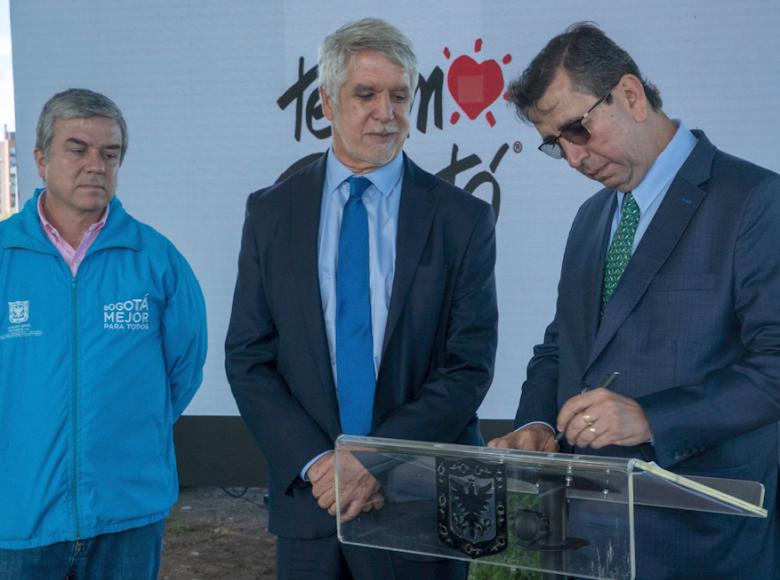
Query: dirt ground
{"type": "Point", "coordinates": [213, 536]}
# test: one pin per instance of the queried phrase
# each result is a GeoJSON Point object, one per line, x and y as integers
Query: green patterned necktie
{"type": "Point", "coordinates": [620, 250]}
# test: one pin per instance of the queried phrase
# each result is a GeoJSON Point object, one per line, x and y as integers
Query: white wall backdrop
{"type": "Point", "coordinates": [203, 86]}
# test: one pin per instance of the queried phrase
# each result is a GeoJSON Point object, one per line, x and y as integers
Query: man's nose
{"type": "Point", "coordinates": [384, 107]}
{"type": "Point", "coordinates": [95, 161]}
{"type": "Point", "coordinates": [574, 154]}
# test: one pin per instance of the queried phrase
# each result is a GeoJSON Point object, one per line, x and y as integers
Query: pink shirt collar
{"type": "Point", "coordinates": [73, 257]}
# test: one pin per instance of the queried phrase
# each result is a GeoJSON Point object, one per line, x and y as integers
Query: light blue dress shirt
{"type": "Point", "coordinates": [652, 189]}
{"type": "Point", "coordinates": [382, 200]}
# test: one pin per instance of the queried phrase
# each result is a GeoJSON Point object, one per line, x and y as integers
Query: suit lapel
{"type": "Point", "coordinates": [664, 232]}
{"type": "Point", "coordinates": [304, 210]}
{"type": "Point", "coordinates": [415, 216]}
{"type": "Point", "coordinates": [593, 261]}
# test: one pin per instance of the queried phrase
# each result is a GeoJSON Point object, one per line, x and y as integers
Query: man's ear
{"type": "Point", "coordinates": [40, 162]}
{"type": "Point", "coordinates": [632, 92]}
{"type": "Point", "coordinates": [327, 104]}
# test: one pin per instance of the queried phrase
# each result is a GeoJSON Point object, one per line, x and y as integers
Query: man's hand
{"type": "Point", "coordinates": [359, 490]}
{"type": "Point", "coordinates": [534, 437]}
{"type": "Point", "coordinates": [601, 417]}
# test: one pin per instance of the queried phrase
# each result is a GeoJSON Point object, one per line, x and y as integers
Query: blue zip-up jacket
{"type": "Point", "coordinates": [94, 370]}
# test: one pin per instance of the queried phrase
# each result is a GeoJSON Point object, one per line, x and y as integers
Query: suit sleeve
{"type": "Point", "coordinates": [459, 380]}
{"type": "Point", "coordinates": [184, 336]}
{"type": "Point", "coordinates": [745, 395]}
{"type": "Point", "coordinates": [538, 396]}
{"type": "Point", "coordinates": [288, 436]}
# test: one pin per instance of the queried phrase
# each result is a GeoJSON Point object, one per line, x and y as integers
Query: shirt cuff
{"type": "Point", "coordinates": [550, 427]}
{"type": "Point", "coordinates": [306, 467]}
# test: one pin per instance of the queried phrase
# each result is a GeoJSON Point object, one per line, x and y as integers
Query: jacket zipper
{"type": "Point", "coordinates": [74, 404]}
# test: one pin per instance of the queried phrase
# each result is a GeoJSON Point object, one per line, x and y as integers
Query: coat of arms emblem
{"type": "Point", "coordinates": [19, 312]}
{"type": "Point", "coordinates": [471, 506]}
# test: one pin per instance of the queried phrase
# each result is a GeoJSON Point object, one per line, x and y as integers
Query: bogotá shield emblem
{"type": "Point", "coordinates": [19, 312]}
{"type": "Point", "coordinates": [471, 506]}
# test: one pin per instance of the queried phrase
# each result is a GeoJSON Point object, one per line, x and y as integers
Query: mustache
{"type": "Point", "coordinates": [383, 130]}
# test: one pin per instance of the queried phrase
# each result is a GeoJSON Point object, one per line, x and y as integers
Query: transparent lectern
{"type": "Point", "coordinates": [549, 512]}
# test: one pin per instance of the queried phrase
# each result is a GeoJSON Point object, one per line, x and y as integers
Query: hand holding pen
{"type": "Point", "coordinates": [599, 417]}
{"type": "Point", "coordinates": [587, 418]}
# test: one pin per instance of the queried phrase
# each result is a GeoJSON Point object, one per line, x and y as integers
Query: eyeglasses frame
{"type": "Point", "coordinates": [552, 145]}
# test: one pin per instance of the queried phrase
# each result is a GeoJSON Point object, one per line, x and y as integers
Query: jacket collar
{"type": "Point", "coordinates": [24, 230]}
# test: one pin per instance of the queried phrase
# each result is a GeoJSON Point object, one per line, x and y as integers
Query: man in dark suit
{"type": "Point", "coordinates": [671, 277]}
{"type": "Point", "coordinates": [365, 304]}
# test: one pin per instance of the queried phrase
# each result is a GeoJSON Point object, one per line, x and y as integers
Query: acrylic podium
{"type": "Point", "coordinates": [548, 512]}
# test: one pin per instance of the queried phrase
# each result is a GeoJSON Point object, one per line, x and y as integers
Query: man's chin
{"type": "Point", "coordinates": [94, 203]}
{"type": "Point", "coordinates": [387, 154]}
{"type": "Point", "coordinates": [610, 181]}
{"type": "Point", "coordinates": [380, 159]}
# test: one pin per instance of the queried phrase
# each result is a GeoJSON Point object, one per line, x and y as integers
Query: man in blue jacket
{"type": "Point", "coordinates": [102, 344]}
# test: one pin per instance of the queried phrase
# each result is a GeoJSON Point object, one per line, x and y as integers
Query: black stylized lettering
{"type": "Point", "coordinates": [458, 166]}
{"type": "Point", "coordinates": [296, 92]}
{"type": "Point", "coordinates": [314, 113]}
{"type": "Point", "coordinates": [427, 88]}
{"type": "Point", "coordinates": [485, 176]}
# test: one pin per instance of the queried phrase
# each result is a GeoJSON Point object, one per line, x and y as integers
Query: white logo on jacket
{"type": "Point", "coordinates": [19, 311]}
{"type": "Point", "coordinates": [130, 314]}
{"type": "Point", "coordinates": [18, 325]}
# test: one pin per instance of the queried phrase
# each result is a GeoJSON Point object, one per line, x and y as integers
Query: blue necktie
{"type": "Point", "coordinates": [354, 343]}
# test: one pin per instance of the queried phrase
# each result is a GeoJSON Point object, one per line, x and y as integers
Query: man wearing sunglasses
{"type": "Point", "coordinates": [671, 277]}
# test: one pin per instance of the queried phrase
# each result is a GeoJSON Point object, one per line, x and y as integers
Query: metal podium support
{"type": "Point", "coordinates": [556, 514]}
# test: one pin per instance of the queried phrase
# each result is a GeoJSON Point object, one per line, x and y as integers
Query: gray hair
{"type": "Point", "coordinates": [592, 60]}
{"type": "Point", "coordinates": [76, 104]}
{"type": "Point", "coordinates": [339, 48]}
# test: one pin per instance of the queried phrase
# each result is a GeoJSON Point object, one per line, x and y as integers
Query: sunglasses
{"type": "Point", "coordinates": [574, 132]}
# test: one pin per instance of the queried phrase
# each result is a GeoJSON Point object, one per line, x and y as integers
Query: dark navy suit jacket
{"type": "Point", "coordinates": [694, 330]}
{"type": "Point", "coordinates": [439, 344]}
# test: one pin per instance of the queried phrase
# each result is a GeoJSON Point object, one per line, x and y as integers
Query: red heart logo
{"type": "Point", "coordinates": [473, 85]}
